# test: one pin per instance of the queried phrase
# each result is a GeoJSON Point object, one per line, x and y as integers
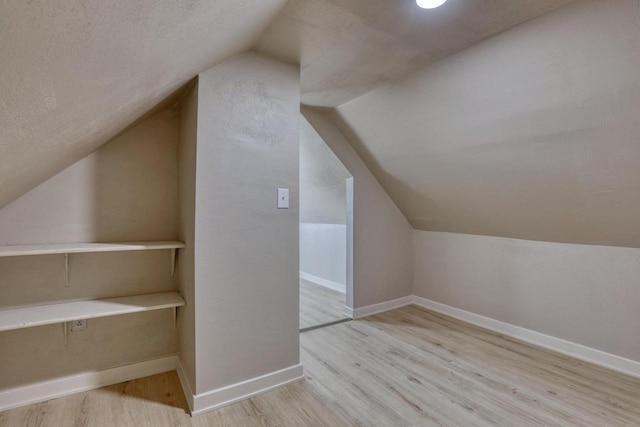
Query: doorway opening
{"type": "Point", "coordinates": [326, 233]}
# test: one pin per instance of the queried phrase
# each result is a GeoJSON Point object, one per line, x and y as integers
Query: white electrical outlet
{"type": "Point", "coordinates": [79, 325]}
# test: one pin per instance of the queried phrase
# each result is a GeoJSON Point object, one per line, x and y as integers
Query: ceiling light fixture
{"type": "Point", "coordinates": [430, 4]}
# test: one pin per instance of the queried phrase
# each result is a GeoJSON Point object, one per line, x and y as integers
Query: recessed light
{"type": "Point", "coordinates": [430, 4]}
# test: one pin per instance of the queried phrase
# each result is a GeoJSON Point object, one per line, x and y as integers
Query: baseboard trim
{"type": "Point", "coordinates": [568, 348]}
{"type": "Point", "coordinates": [358, 313]}
{"type": "Point", "coordinates": [324, 282]}
{"type": "Point", "coordinates": [184, 382]}
{"type": "Point", "coordinates": [559, 345]}
{"type": "Point", "coordinates": [204, 402]}
{"type": "Point", "coordinates": [223, 396]}
{"type": "Point", "coordinates": [63, 386]}
{"type": "Point", "coordinates": [348, 312]}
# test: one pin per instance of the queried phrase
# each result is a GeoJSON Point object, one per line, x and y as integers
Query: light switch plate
{"type": "Point", "coordinates": [283, 198]}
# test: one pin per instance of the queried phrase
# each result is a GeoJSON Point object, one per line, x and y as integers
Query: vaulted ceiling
{"type": "Point", "coordinates": [323, 192]}
{"type": "Point", "coordinates": [348, 47]}
{"type": "Point", "coordinates": [532, 134]}
{"type": "Point", "coordinates": [74, 73]}
{"type": "Point", "coordinates": [529, 133]}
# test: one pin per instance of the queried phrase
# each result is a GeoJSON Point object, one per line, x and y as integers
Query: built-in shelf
{"type": "Point", "coordinates": [26, 317]}
{"type": "Point", "coordinates": [72, 248]}
{"type": "Point", "coordinates": [76, 248]}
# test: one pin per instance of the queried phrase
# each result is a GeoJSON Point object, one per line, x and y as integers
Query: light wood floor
{"type": "Point", "coordinates": [158, 401]}
{"type": "Point", "coordinates": [319, 305]}
{"type": "Point", "coordinates": [407, 367]}
{"type": "Point", "coordinates": [413, 367]}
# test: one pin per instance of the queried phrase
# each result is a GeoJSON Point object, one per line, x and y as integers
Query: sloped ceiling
{"type": "Point", "coordinates": [74, 73]}
{"type": "Point", "coordinates": [532, 134]}
{"type": "Point", "coordinates": [323, 190]}
{"type": "Point", "coordinates": [348, 47]}
{"type": "Point", "coordinates": [527, 134]}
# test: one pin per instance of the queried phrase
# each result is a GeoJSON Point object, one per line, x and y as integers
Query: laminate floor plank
{"type": "Point", "coordinates": [477, 376]}
{"type": "Point", "coordinates": [319, 304]}
{"type": "Point", "coordinates": [406, 367]}
{"type": "Point", "coordinates": [566, 372]}
{"type": "Point", "coordinates": [157, 401]}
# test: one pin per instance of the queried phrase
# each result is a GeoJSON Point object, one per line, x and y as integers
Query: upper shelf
{"type": "Point", "coordinates": [70, 248]}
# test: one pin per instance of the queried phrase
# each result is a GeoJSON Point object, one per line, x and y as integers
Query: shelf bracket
{"type": "Point", "coordinates": [66, 269]}
{"type": "Point", "coordinates": [175, 317]}
{"type": "Point", "coordinates": [65, 325]}
{"type": "Point", "coordinates": [173, 262]}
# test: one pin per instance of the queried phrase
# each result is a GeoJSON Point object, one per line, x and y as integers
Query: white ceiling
{"type": "Point", "coordinates": [528, 134]}
{"type": "Point", "coordinates": [348, 47]}
{"type": "Point", "coordinates": [532, 134]}
{"type": "Point", "coordinates": [73, 73]}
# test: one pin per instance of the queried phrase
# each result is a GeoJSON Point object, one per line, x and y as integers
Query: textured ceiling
{"type": "Point", "coordinates": [323, 190]}
{"type": "Point", "coordinates": [74, 73]}
{"type": "Point", "coordinates": [348, 47]}
{"type": "Point", "coordinates": [528, 134]}
{"type": "Point", "coordinates": [531, 134]}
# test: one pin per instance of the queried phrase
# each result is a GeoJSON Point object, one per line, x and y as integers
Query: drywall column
{"type": "Point", "coordinates": [246, 250]}
{"type": "Point", "coordinates": [187, 131]}
{"type": "Point", "coordinates": [382, 237]}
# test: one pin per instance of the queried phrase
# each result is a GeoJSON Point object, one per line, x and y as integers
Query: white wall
{"type": "Point", "coordinates": [585, 294]}
{"type": "Point", "coordinates": [323, 253]}
{"type": "Point", "coordinates": [246, 250]}
{"type": "Point", "coordinates": [126, 190]}
{"type": "Point", "coordinates": [382, 237]}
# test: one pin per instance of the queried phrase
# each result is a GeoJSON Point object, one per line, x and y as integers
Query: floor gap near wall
{"type": "Point", "coordinates": [319, 305]}
{"type": "Point", "coordinates": [324, 325]}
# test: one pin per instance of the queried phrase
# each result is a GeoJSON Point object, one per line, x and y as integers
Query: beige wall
{"type": "Point", "coordinates": [246, 250]}
{"type": "Point", "coordinates": [187, 147]}
{"type": "Point", "coordinates": [585, 294]}
{"type": "Point", "coordinates": [126, 190]}
{"type": "Point", "coordinates": [382, 237]}
{"type": "Point", "coordinates": [531, 134]}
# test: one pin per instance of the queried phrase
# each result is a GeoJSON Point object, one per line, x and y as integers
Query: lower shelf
{"type": "Point", "coordinates": [26, 317]}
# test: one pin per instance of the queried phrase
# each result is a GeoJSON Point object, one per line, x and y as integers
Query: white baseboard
{"type": "Point", "coordinates": [568, 348]}
{"type": "Point", "coordinates": [368, 310]}
{"type": "Point", "coordinates": [184, 382]}
{"type": "Point", "coordinates": [46, 390]}
{"type": "Point", "coordinates": [348, 312]}
{"type": "Point", "coordinates": [59, 387]}
{"type": "Point", "coordinates": [324, 282]}
{"type": "Point", "coordinates": [559, 345]}
{"type": "Point", "coordinates": [214, 399]}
